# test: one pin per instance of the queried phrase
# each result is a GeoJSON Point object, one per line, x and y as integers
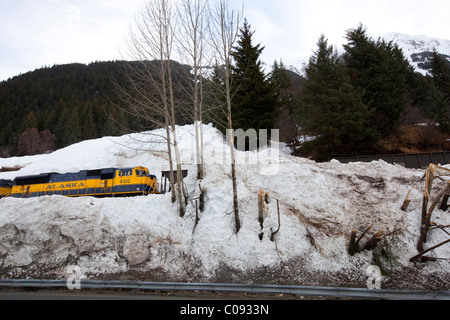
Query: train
{"type": "Point", "coordinates": [108, 182]}
{"type": "Point", "coordinates": [5, 188]}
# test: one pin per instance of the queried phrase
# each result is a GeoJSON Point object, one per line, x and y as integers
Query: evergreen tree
{"type": "Point", "coordinates": [68, 129]}
{"type": "Point", "coordinates": [430, 100]}
{"type": "Point", "coordinates": [381, 71]}
{"type": "Point", "coordinates": [88, 126]}
{"type": "Point", "coordinates": [115, 123]}
{"type": "Point", "coordinates": [281, 81]}
{"type": "Point", "coordinates": [7, 136]}
{"type": "Point", "coordinates": [285, 92]}
{"type": "Point", "coordinates": [440, 70]}
{"type": "Point", "coordinates": [29, 122]}
{"type": "Point", "coordinates": [254, 104]}
{"type": "Point", "coordinates": [331, 109]}
{"type": "Point", "coordinates": [60, 129]}
{"type": "Point", "coordinates": [37, 100]}
{"type": "Point", "coordinates": [74, 131]}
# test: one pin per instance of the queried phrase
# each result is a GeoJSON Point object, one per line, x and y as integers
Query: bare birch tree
{"type": "Point", "coordinates": [152, 89]}
{"type": "Point", "coordinates": [191, 37]}
{"type": "Point", "coordinates": [224, 28]}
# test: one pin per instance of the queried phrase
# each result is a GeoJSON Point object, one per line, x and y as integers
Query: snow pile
{"type": "Point", "coordinates": [144, 238]}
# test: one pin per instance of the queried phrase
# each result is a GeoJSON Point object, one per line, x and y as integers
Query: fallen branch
{"type": "Point", "coordinates": [197, 219]}
{"type": "Point", "coordinates": [438, 226]}
{"type": "Point", "coordinates": [428, 250]}
{"type": "Point", "coordinates": [10, 169]}
{"type": "Point", "coordinates": [279, 223]}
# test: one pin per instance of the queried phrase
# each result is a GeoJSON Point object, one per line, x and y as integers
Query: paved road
{"type": "Point", "coordinates": [19, 294]}
{"type": "Point", "coordinates": [61, 294]}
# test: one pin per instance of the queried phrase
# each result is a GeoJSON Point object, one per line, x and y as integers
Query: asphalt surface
{"type": "Point", "coordinates": [62, 294]}
{"type": "Point", "coordinates": [12, 294]}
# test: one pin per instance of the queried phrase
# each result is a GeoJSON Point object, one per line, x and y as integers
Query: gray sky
{"type": "Point", "coordinates": [38, 33]}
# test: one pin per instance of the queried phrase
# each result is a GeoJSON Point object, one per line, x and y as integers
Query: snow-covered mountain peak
{"type": "Point", "coordinates": [418, 48]}
{"type": "Point", "coordinates": [419, 42]}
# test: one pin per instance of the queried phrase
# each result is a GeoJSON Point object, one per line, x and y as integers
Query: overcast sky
{"type": "Point", "coordinates": [36, 33]}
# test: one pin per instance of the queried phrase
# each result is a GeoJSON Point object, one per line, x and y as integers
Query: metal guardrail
{"type": "Point", "coordinates": [410, 161]}
{"type": "Point", "coordinates": [237, 288]}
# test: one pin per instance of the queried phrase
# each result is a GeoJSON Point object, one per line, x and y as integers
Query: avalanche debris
{"type": "Point", "coordinates": [144, 238]}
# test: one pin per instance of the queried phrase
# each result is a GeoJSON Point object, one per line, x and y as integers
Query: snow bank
{"type": "Point", "coordinates": [144, 238]}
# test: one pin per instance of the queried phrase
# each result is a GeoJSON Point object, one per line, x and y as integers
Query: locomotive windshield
{"type": "Point", "coordinates": [140, 172]}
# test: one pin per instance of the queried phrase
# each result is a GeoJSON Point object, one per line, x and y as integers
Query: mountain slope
{"type": "Point", "coordinates": [418, 49]}
{"type": "Point", "coordinates": [75, 102]}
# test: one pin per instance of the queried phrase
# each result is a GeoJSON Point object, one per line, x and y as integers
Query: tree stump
{"type": "Point", "coordinates": [406, 202]}
{"type": "Point", "coordinates": [352, 246]}
{"type": "Point", "coordinates": [372, 243]}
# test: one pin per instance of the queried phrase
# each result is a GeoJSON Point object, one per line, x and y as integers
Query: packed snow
{"type": "Point", "coordinates": [144, 238]}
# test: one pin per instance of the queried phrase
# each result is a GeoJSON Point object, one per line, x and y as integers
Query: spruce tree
{"type": "Point", "coordinates": [285, 93]}
{"type": "Point", "coordinates": [68, 129]}
{"type": "Point", "coordinates": [429, 99]}
{"type": "Point", "coordinates": [87, 123]}
{"type": "Point", "coordinates": [254, 104]}
{"type": "Point", "coordinates": [440, 70]}
{"type": "Point", "coordinates": [29, 122]}
{"type": "Point", "coordinates": [331, 109]}
{"type": "Point", "coordinates": [381, 71]}
{"type": "Point", "coordinates": [281, 81]}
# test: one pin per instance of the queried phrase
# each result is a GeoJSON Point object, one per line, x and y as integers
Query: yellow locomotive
{"type": "Point", "coordinates": [5, 188]}
{"type": "Point", "coordinates": [109, 182]}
